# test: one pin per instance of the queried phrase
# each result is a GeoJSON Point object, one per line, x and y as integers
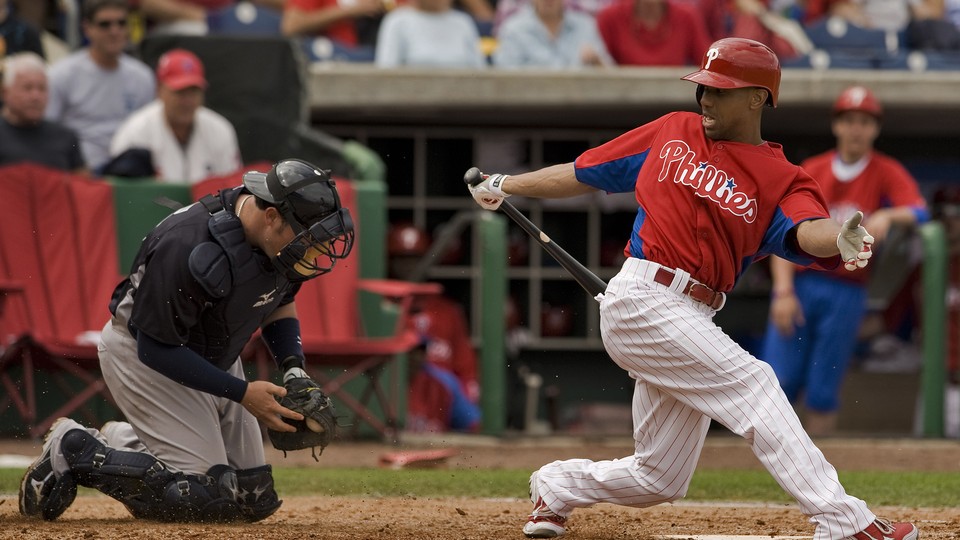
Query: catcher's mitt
{"type": "Point", "coordinates": [319, 424]}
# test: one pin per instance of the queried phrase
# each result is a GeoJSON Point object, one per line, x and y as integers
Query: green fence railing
{"type": "Point", "coordinates": [933, 378]}
{"type": "Point", "coordinates": [490, 231]}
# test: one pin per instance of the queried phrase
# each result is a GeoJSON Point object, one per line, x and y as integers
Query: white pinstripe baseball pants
{"type": "Point", "coordinates": [687, 371]}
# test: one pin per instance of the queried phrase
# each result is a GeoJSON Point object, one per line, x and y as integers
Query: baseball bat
{"type": "Point", "coordinates": [587, 279]}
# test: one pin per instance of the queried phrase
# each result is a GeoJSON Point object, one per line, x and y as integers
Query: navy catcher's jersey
{"type": "Point", "coordinates": [163, 299]}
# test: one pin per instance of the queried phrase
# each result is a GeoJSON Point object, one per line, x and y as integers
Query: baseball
{"type": "Point", "coordinates": [314, 426]}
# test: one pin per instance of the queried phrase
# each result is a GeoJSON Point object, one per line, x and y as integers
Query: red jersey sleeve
{"type": "Point", "coordinates": [614, 166]}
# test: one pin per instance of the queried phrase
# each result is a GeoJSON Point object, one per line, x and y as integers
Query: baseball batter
{"type": "Point", "coordinates": [205, 279]}
{"type": "Point", "coordinates": [815, 316]}
{"type": "Point", "coordinates": [713, 197]}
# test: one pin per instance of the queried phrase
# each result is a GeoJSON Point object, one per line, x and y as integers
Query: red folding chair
{"type": "Point", "coordinates": [58, 247]}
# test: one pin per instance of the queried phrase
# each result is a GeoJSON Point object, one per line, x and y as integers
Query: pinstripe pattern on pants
{"type": "Point", "coordinates": [687, 372]}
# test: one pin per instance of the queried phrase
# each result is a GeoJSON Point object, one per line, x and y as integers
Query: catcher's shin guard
{"type": "Point", "coordinates": [258, 500]}
{"type": "Point", "coordinates": [147, 487]}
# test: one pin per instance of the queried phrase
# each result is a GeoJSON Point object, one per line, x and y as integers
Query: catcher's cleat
{"type": "Point", "coordinates": [42, 493]}
{"type": "Point", "coordinates": [882, 529]}
{"type": "Point", "coordinates": [542, 523]}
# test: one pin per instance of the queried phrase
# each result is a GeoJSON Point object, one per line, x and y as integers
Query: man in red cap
{"type": "Point", "coordinates": [815, 316]}
{"type": "Point", "coordinates": [187, 141]}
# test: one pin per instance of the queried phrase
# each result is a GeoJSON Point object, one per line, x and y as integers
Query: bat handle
{"type": "Point", "coordinates": [473, 176]}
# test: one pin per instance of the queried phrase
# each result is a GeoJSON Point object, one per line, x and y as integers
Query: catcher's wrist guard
{"type": "Point", "coordinates": [319, 424]}
{"type": "Point", "coordinates": [292, 361]}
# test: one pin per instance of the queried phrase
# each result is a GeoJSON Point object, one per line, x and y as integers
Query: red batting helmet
{"type": "Point", "coordinates": [405, 239]}
{"type": "Point", "coordinates": [857, 98]}
{"type": "Point", "coordinates": [739, 63]}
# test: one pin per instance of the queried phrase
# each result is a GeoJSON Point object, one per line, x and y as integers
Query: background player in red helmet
{"type": "Point", "coordinates": [443, 391]}
{"type": "Point", "coordinates": [815, 316]}
{"type": "Point", "coordinates": [713, 196]}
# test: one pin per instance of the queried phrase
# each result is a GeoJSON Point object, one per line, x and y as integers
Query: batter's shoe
{"type": "Point", "coordinates": [542, 523]}
{"type": "Point", "coordinates": [882, 529]}
{"type": "Point", "coordinates": [42, 493]}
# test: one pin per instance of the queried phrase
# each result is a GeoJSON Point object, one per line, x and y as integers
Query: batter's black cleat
{"type": "Point", "coordinates": [44, 494]}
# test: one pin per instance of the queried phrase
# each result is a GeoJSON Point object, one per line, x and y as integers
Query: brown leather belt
{"type": "Point", "coordinates": [700, 293]}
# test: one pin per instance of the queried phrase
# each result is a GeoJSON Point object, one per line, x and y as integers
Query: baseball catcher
{"type": "Point", "coordinates": [319, 424]}
{"type": "Point", "coordinates": [204, 281]}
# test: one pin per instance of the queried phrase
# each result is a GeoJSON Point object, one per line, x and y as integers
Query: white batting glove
{"type": "Point", "coordinates": [855, 243]}
{"type": "Point", "coordinates": [488, 193]}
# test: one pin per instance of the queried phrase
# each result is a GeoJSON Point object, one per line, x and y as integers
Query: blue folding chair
{"type": "Point", "coordinates": [244, 18]}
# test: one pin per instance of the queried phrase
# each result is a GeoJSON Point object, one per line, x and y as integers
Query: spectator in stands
{"type": "Point", "coordinates": [443, 390]}
{"type": "Point", "coordinates": [779, 28]}
{"type": "Point", "coordinates": [890, 15]}
{"type": "Point", "coordinates": [546, 34]}
{"type": "Point", "coordinates": [815, 316]}
{"type": "Point", "coordinates": [951, 11]}
{"type": "Point", "coordinates": [714, 12]}
{"type": "Point", "coordinates": [653, 33]}
{"type": "Point", "coordinates": [95, 88]}
{"type": "Point", "coordinates": [188, 142]}
{"type": "Point", "coordinates": [429, 33]}
{"type": "Point", "coordinates": [17, 35]}
{"type": "Point", "coordinates": [506, 9]}
{"type": "Point", "coordinates": [935, 26]}
{"type": "Point", "coordinates": [334, 20]}
{"type": "Point", "coordinates": [482, 12]}
{"type": "Point", "coordinates": [33, 12]}
{"type": "Point", "coordinates": [24, 133]}
{"type": "Point", "coordinates": [188, 16]}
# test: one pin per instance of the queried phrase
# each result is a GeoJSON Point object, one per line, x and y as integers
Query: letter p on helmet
{"type": "Point", "coordinates": [712, 55]}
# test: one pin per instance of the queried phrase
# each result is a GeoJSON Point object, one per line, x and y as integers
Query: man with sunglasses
{"type": "Point", "coordinates": [94, 89]}
{"type": "Point", "coordinates": [205, 279]}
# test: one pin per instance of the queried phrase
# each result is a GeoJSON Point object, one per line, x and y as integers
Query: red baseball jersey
{"type": "Point", "coordinates": [678, 39]}
{"type": "Point", "coordinates": [443, 325]}
{"type": "Point", "coordinates": [708, 207]}
{"type": "Point", "coordinates": [883, 183]}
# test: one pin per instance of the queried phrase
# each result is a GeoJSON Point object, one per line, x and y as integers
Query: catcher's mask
{"type": "Point", "coordinates": [307, 199]}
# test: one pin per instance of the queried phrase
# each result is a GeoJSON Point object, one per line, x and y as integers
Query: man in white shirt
{"type": "Point", "coordinates": [187, 141]}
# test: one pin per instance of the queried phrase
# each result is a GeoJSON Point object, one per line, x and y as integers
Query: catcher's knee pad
{"type": "Point", "coordinates": [255, 493]}
{"type": "Point", "coordinates": [147, 487]}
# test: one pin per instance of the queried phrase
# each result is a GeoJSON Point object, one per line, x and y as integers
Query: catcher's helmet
{"type": "Point", "coordinates": [307, 199]}
{"type": "Point", "coordinates": [405, 239]}
{"type": "Point", "coordinates": [857, 98]}
{"type": "Point", "coordinates": [739, 63]}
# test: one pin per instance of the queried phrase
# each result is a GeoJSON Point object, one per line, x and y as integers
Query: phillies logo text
{"type": "Point", "coordinates": [707, 181]}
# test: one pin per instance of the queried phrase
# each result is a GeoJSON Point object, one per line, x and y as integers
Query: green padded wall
{"type": "Point", "coordinates": [139, 205]}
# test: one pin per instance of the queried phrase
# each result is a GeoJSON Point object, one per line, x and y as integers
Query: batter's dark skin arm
{"type": "Point", "coordinates": [818, 237]}
{"type": "Point", "coordinates": [553, 182]}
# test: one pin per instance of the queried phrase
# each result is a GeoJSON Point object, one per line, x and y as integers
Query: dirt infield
{"type": "Point", "coordinates": [412, 518]}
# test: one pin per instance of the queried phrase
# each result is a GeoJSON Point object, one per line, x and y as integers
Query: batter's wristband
{"type": "Point", "coordinates": [282, 337]}
{"type": "Point", "coordinates": [496, 184]}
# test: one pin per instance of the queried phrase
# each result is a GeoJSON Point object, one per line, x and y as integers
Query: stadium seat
{"type": "Point", "coordinates": [351, 365]}
{"type": "Point", "coordinates": [245, 19]}
{"type": "Point", "coordinates": [58, 253]}
{"type": "Point", "coordinates": [847, 46]}
{"type": "Point", "coordinates": [941, 60]}
{"type": "Point", "coordinates": [830, 33]}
